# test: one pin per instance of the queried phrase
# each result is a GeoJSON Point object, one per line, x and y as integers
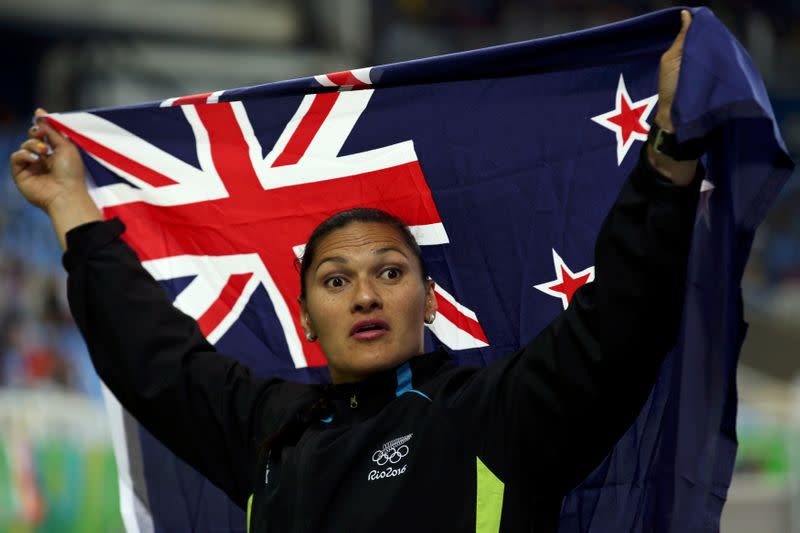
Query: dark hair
{"type": "Point", "coordinates": [344, 218]}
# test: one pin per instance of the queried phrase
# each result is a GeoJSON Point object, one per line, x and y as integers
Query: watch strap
{"type": "Point", "coordinates": [665, 142]}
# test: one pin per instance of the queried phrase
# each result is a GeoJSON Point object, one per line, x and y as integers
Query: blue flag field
{"type": "Point", "coordinates": [504, 162]}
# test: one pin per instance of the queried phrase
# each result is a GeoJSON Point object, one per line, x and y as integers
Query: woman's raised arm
{"type": "Point", "coordinates": [551, 412]}
{"type": "Point", "coordinates": [204, 406]}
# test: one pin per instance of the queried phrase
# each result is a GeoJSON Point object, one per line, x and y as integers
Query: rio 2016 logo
{"type": "Point", "coordinates": [390, 454]}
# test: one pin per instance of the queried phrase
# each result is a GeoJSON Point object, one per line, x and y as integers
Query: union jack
{"type": "Point", "coordinates": [237, 221]}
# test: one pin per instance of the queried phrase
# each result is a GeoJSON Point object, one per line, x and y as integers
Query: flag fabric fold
{"type": "Point", "coordinates": [504, 162]}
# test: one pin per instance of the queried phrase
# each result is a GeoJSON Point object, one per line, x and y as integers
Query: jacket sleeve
{"type": "Point", "coordinates": [553, 410]}
{"type": "Point", "coordinates": [202, 405]}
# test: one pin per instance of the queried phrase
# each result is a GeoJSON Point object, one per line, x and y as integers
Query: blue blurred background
{"type": "Point", "coordinates": [57, 471]}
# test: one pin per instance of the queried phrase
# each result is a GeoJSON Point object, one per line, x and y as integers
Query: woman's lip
{"type": "Point", "coordinates": [369, 334]}
{"type": "Point", "coordinates": [379, 324]}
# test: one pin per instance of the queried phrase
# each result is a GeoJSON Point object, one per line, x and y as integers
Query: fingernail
{"type": "Point", "coordinates": [35, 157]}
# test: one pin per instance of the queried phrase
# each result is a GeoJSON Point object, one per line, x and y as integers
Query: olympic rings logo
{"type": "Point", "coordinates": [390, 455]}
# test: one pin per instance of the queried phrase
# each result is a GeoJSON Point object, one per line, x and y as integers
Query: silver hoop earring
{"type": "Point", "coordinates": [310, 337]}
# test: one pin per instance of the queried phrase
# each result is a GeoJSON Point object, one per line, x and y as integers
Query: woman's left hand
{"type": "Point", "coordinates": [668, 72]}
{"type": "Point", "coordinates": [679, 172]}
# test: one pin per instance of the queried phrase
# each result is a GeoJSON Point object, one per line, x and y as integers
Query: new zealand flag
{"type": "Point", "coordinates": [504, 162]}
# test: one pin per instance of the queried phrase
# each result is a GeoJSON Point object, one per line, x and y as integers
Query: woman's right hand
{"type": "Point", "coordinates": [46, 180]}
{"type": "Point", "coordinates": [53, 181]}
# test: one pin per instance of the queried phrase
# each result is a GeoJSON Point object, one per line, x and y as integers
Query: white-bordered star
{"type": "Point", "coordinates": [628, 120]}
{"type": "Point", "coordinates": [566, 282]}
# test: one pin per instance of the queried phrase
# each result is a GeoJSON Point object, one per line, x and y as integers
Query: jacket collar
{"type": "Point", "coordinates": [353, 402]}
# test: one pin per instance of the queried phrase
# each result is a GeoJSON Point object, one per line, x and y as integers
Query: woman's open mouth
{"type": "Point", "coordinates": [369, 329]}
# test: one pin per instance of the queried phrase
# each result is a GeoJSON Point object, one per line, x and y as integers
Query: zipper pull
{"type": "Point", "coordinates": [353, 402]}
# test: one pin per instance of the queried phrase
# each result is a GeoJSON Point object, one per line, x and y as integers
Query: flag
{"type": "Point", "coordinates": [504, 162]}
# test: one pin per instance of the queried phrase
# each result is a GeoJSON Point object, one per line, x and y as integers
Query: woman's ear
{"type": "Point", "coordinates": [431, 304]}
{"type": "Point", "coordinates": [305, 320]}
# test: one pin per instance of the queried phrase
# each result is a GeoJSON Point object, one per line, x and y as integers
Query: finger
{"type": "Point", "coordinates": [21, 159]}
{"type": "Point", "coordinates": [686, 20]}
{"type": "Point", "coordinates": [35, 132]}
{"type": "Point", "coordinates": [24, 156]}
{"type": "Point", "coordinates": [44, 129]}
{"type": "Point", "coordinates": [40, 115]}
{"type": "Point", "coordinates": [54, 137]}
{"type": "Point", "coordinates": [35, 146]}
{"type": "Point", "coordinates": [676, 48]}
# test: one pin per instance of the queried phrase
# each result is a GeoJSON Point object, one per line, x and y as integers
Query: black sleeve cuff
{"type": "Point", "coordinates": [651, 182]}
{"type": "Point", "coordinates": [86, 238]}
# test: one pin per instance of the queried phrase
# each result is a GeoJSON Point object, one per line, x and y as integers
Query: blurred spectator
{"type": "Point", "coordinates": [39, 344]}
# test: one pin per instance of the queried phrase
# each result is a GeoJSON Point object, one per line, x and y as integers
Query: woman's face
{"type": "Point", "coordinates": [366, 300]}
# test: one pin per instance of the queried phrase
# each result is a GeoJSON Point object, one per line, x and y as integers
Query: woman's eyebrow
{"type": "Point", "coordinates": [387, 249]}
{"type": "Point", "coordinates": [336, 259]}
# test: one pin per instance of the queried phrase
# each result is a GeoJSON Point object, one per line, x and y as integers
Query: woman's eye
{"type": "Point", "coordinates": [391, 273]}
{"type": "Point", "coordinates": [334, 282]}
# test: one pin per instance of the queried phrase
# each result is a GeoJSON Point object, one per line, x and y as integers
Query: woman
{"type": "Point", "coordinates": [400, 441]}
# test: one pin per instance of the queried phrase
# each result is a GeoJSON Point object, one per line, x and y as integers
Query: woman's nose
{"type": "Point", "coordinates": [365, 297]}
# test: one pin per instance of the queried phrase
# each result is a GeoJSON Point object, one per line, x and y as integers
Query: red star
{"type": "Point", "coordinates": [628, 120]}
{"type": "Point", "coordinates": [566, 282]}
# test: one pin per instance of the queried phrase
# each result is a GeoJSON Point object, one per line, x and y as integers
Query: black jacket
{"type": "Point", "coordinates": [425, 447]}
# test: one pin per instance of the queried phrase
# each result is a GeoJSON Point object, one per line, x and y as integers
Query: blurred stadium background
{"type": "Point", "coordinates": [57, 471]}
